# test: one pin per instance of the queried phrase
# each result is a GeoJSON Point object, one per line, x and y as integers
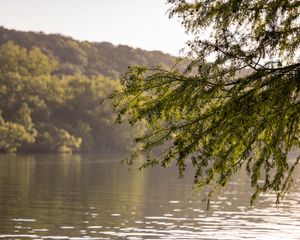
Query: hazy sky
{"type": "Point", "coordinates": [138, 23]}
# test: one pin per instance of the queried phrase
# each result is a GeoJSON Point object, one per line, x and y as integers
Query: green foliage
{"type": "Point", "coordinates": [12, 135]}
{"type": "Point", "coordinates": [44, 112]}
{"type": "Point", "coordinates": [86, 58]}
{"type": "Point", "coordinates": [54, 139]}
{"type": "Point", "coordinates": [237, 102]}
{"type": "Point", "coordinates": [61, 82]}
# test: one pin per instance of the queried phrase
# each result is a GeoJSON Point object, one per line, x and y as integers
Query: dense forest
{"type": "Point", "coordinates": [54, 92]}
{"type": "Point", "coordinates": [86, 58]}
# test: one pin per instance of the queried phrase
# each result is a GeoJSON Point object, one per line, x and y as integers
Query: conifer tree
{"type": "Point", "coordinates": [237, 104]}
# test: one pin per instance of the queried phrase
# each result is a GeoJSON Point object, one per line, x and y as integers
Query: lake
{"type": "Point", "coordinates": [51, 196]}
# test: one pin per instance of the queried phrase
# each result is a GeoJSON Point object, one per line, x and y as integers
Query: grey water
{"type": "Point", "coordinates": [52, 196]}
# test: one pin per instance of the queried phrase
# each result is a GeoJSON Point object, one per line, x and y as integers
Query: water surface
{"type": "Point", "coordinates": [52, 196]}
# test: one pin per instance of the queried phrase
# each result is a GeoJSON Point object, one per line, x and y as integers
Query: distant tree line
{"type": "Point", "coordinates": [40, 111]}
{"type": "Point", "coordinates": [54, 90]}
{"type": "Point", "coordinates": [86, 58]}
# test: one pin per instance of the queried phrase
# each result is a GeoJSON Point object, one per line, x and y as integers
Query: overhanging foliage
{"type": "Point", "coordinates": [237, 103]}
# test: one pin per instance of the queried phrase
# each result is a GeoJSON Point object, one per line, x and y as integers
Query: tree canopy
{"type": "Point", "coordinates": [41, 111]}
{"type": "Point", "coordinates": [53, 92]}
{"type": "Point", "coordinates": [237, 104]}
{"type": "Point", "coordinates": [83, 57]}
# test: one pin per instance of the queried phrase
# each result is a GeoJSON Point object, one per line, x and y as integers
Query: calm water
{"type": "Point", "coordinates": [95, 197]}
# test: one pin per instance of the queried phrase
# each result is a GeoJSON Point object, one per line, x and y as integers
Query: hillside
{"type": "Point", "coordinates": [54, 92]}
{"type": "Point", "coordinates": [86, 58]}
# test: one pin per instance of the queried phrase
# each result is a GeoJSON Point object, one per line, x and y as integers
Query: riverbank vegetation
{"type": "Point", "coordinates": [54, 93]}
{"type": "Point", "coordinates": [45, 112]}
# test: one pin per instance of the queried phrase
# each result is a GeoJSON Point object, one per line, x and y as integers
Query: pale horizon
{"type": "Point", "coordinates": [136, 23]}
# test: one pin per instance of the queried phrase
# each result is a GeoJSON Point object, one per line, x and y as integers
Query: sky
{"type": "Point", "coordinates": [137, 23]}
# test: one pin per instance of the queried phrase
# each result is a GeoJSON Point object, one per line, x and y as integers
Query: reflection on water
{"type": "Point", "coordinates": [95, 197]}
